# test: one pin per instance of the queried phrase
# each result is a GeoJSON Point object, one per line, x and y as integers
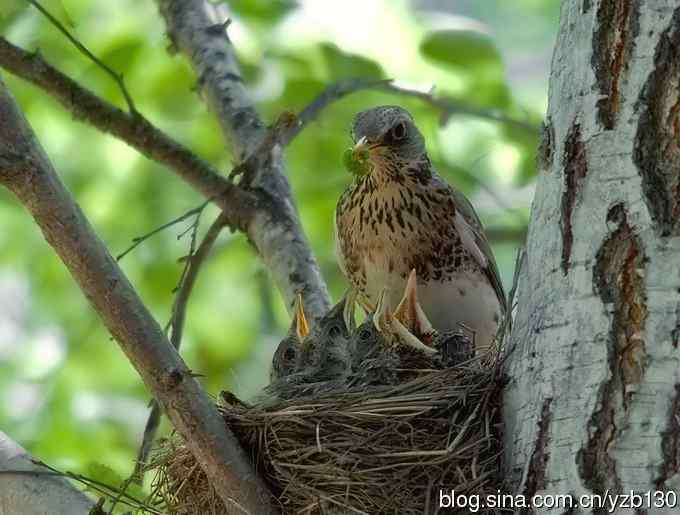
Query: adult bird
{"type": "Point", "coordinates": [399, 214]}
{"type": "Point", "coordinates": [324, 352]}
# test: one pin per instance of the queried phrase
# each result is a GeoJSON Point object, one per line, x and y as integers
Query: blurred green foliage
{"type": "Point", "coordinates": [69, 394]}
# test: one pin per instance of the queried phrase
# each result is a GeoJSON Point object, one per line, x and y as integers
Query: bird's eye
{"type": "Point", "coordinates": [398, 132]}
{"type": "Point", "coordinates": [289, 354]}
{"type": "Point", "coordinates": [334, 331]}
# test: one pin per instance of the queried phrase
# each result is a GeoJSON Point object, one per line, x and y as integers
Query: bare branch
{"type": "Point", "coordinates": [194, 263]}
{"type": "Point", "coordinates": [32, 489]}
{"type": "Point", "coordinates": [136, 131]}
{"type": "Point", "coordinates": [26, 171]}
{"type": "Point", "coordinates": [195, 28]}
{"type": "Point", "coordinates": [138, 240]}
{"type": "Point", "coordinates": [105, 490]}
{"type": "Point", "coordinates": [84, 50]}
{"type": "Point", "coordinates": [189, 276]}
{"type": "Point", "coordinates": [331, 94]}
{"type": "Point", "coordinates": [266, 213]}
{"type": "Point", "coordinates": [447, 107]}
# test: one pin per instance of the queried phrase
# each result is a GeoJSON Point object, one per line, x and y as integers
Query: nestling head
{"type": "Point", "coordinates": [386, 133]}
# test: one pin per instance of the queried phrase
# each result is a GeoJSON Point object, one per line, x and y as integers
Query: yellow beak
{"type": "Point", "coordinates": [301, 325]}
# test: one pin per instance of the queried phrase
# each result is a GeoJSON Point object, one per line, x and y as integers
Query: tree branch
{"type": "Point", "coordinates": [179, 307]}
{"type": "Point", "coordinates": [269, 219]}
{"type": "Point", "coordinates": [265, 212]}
{"type": "Point", "coordinates": [26, 171]}
{"type": "Point", "coordinates": [197, 30]}
{"type": "Point", "coordinates": [117, 77]}
{"type": "Point", "coordinates": [330, 94]}
{"type": "Point", "coordinates": [136, 131]}
{"type": "Point", "coordinates": [447, 107]}
{"type": "Point", "coordinates": [37, 493]}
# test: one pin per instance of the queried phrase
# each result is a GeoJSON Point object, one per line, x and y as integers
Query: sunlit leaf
{"type": "Point", "coordinates": [268, 11]}
{"type": "Point", "coordinates": [126, 195]}
{"type": "Point", "coordinates": [486, 91]}
{"type": "Point", "coordinates": [527, 144]}
{"type": "Point", "coordinates": [464, 49]}
{"type": "Point", "coordinates": [104, 474]}
{"type": "Point", "coordinates": [342, 65]}
{"type": "Point", "coordinates": [9, 10]}
{"type": "Point", "coordinates": [121, 55]}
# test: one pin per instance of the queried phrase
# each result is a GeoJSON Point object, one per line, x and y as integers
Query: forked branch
{"type": "Point", "coordinates": [26, 171]}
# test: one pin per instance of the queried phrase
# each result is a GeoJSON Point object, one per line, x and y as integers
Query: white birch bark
{"type": "Point", "coordinates": [593, 402]}
{"type": "Point", "coordinates": [34, 494]}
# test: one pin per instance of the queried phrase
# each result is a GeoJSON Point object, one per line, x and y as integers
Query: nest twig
{"type": "Point", "coordinates": [371, 450]}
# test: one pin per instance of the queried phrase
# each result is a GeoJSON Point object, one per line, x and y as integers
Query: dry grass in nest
{"type": "Point", "coordinates": [372, 450]}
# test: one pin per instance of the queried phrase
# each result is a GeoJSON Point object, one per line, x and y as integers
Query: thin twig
{"type": "Point", "coordinates": [136, 131]}
{"type": "Point", "coordinates": [186, 285]}
{"type": "Point", "coordinates": [276, 232]}
{"type": "Point", "coordinates": [176, 323]}
{"type": "Point", "coordinates": [331, 94]}
{"type": "Point", "coordinates": [84, 50]}
{"type": "Point", "coordinates": [447, 107]}
{"type": "Point", "coordinates": [98, 486]}
{"type": "Point", "coordinates": [37, 186]}
{"type": "Point", "coordinates": [193, 230]}
{"type": "Point", "coordinates": [141, 239]}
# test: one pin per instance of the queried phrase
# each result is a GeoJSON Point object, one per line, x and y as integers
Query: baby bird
{"type": "Point", "coordinates": [324, 353]}
{"type": "Point", "coordinates": [287, 353]}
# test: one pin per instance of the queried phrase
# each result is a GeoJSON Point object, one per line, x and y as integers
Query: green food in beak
{"type": "Point", "coordinates": [356, 160]}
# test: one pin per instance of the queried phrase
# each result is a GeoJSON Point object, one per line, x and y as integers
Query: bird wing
{"type": "Point", "coordinates": [472, 235]}
{"type": "Point", "coordinates": [338, 248]}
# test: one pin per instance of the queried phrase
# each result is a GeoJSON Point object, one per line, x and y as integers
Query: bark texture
{"type": "Point", "coordinates": [197, 28]}
{"type": "Point", "coordinates": [26, 171]}
{"type": "Point", "coordinates": [593, 400]}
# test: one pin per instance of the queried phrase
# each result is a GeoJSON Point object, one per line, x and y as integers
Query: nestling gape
{"type": "Point", "coordinates": [399, 215]}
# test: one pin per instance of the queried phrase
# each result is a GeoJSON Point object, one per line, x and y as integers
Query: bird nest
{"type": "Point", "coordinates": [376, 449]}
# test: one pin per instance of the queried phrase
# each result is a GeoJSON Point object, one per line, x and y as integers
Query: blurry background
{"type": "Point", "coordinates": [67, 393]}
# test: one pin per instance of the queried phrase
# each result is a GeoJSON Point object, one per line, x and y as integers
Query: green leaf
{"type": "Point", "coordinates": [488, 92]}
{"type": "Point", "coordinates": [121, 55]}
{"type": "Point", "coordinates": [465, 49]}
{"type": "Point", "coordinates": [8, 11]}
{"type": "Point", "coordinates": [343, 65]}
{"type": "Point", "coordinates": [267, 11]}
{"type": "Point", "coordinates": [104, 474]}
{"type": "Point", "coordinates": [527, 144]}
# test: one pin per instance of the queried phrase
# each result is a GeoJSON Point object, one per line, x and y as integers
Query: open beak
{"type": "Point", "coordinates": [410, 313]}
{"type": "Point", "coordinates": [299, 318]}
{"type": "Point", "coordinates": [348, 311]}
{"type": "Point", "coordinates": [385, 322]}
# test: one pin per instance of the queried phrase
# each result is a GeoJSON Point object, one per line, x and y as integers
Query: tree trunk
{"type": "Point", "coordinates": [593, 402]}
